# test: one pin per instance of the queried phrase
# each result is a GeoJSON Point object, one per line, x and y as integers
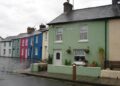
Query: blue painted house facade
{"type": "Point", "coordinates": [35, 46]}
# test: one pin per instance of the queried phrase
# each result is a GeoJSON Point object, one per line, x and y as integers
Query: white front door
{"type": "Point", "coordinates": [57, 57]}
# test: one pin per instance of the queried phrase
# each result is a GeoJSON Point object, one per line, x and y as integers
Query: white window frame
{"type": "Point", "coordinates": [22, 52]}
{"type": "Point", "coordinates": [9, 51]}
{"type": "Point", "coordinates": [36, 39]}
{"type": "Point", "coordinates": [31, 41]}
{"type": "Point", "coordinates": [23, 42]}
{"type": "Point", "coordinates": [59, 35]}
{"type": "Point", "coordinates": [36, 51]}
{"type": "Point", "coordinates": [26, 42]}
{"type": "Point", "coordinates": [83, 33]}
{"type": "Point", "coordinates": [77, 53]}
{"type": "Point", "coordinates": [46, 36]}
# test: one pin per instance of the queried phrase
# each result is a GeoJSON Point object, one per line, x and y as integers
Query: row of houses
{"type": "Point", "coordinates": [74, 36]}
{"type": "Point", "coordinates": [26, 45]}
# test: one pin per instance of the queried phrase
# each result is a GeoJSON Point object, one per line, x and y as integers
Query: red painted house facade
{"type": "Point", "coordinates": [24, 48]}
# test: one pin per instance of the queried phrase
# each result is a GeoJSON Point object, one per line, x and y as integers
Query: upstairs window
{"type": "Point", "coordinates": [59, 34]}
{"type": "Point", "coordinates": [46, 36]}
{"type": "Point", "coordinates": [84, 33]}
{"type": "Point", "coordinates": [22, 42]}
{"type": "Point", "coordinates": [31, 43]}
{"type": "Point", "coordinates": [26, 43]}
{"type": "Point", "coordinates": [79, 55]}
{"type": "Point", "coordinates": [36, 39]}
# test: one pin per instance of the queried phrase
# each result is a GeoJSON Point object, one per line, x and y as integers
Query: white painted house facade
{"type": "Point", "coordinates": [0, 44]}
{"type": "Point", "coordinates": [6, 47]}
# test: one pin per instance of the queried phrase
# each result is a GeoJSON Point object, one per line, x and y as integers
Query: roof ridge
{"type": "Point", "coordinates": [93, 7]}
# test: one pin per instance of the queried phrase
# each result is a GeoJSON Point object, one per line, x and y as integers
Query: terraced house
{"type": "Point", "coordinates": [6, 46]}
{"type": "Point", "coordinates": [80, 35]}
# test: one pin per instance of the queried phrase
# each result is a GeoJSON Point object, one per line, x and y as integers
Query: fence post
{"type": "Point", "coordinates": [74, 72]}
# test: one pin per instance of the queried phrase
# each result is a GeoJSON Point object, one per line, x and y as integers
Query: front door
{"type": "Point", "coordinates": [57, 57]}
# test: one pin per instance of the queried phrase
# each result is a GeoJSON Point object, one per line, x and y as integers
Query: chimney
{"type": "Point", "coordinates": [30, 30]}
{"type": "Point", "coordinates": [115, 2]}
{"type": "Point", "coordinates": [42, 27]}
{"type": "Point", "coordinates": [67, 7]}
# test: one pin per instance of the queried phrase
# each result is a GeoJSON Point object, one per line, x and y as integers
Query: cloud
{"type": "Point", "coordinates": [17, 15]}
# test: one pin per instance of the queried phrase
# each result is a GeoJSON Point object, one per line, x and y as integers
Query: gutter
{"type": "Point", "coordinates": [105, 62]}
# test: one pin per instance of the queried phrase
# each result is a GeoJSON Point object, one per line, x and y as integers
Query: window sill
{"type": "Point", "coordinates": [58, 41]}
{"type": "Point", "coordinates": [83, 41]}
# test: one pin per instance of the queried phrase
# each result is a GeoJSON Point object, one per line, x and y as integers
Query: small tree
{"type": "Point", "coordinates": [50, 59]}
{"type": "Point", "coordinates": [101, 56]}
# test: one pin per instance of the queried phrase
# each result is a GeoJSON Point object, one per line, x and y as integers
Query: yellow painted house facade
{"type": "Point", "coordinates": [114, 39]}
{"type": "Point", "coordinates": [45, 45]}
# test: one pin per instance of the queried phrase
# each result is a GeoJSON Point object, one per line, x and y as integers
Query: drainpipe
{"type": "Point", "coordinates": [105, 62]}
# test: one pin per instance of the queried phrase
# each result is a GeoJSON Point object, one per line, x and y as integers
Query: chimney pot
{"type": "Point", "coordinates": [67, 7]}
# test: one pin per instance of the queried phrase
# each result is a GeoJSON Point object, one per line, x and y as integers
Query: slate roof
{"type": "Point", "coordinates": [9, 38]}
{"type": "Point", "coordinates": [93, 13]}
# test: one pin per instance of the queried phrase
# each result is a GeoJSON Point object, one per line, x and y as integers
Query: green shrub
{"type": "Point", "coordinates": [50, 59]}
{"type": "Point", "coordinates": [67, 62]}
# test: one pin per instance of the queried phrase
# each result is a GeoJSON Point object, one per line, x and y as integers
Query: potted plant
{"type": "Point", "coordinates": [87, 50]}
{"type": "Point", "coordinates": [94, 64]}
{"type": "Point", "coordinates": [69, 50]}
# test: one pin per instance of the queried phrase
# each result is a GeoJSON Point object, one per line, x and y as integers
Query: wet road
{"type": "Point", "coordinates": [11, 79]}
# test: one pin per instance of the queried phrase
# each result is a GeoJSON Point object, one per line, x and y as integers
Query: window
{"type": "Point", "coordinates": [26, 43]}
{"type": "Point", "coordinates": [9, 51]}
{"type": "Point", "coordinates": [22, 52]}
{"type": "Point", "coordinates": [4, 51]}
{"type": "Point", "coordinates": [36, 51]}
{"type": "Point", "coordinates": [84, 33]}
{"type": "Point", "coordinates": [46, 36]}
{"type": "Point", "coordinates": [4, 44]}
{"type": "Point", "coordinates": [36, 39]}
{"type": "Point", "coordinates": [79, 55]}
{"type": "Point", "coordinates": [59, 33]}
{"type": "Point", "coordinates": [31, 42]}
{"type": "Point", "coordinates": [28, 51]}
{"type": "Point", "coordinates": [9, 43]}
{"type": "Point", "coordinates": [22, 42]}
{"type": "Point", "coordinates": [57, 55]}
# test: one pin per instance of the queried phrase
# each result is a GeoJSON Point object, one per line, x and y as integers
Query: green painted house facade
{"type": "Point", "coordinates": [16, 47]}
{"type": "Point", "coordinates": [82, 35]}
{"type": "Point", "coordinates": [71, 32]}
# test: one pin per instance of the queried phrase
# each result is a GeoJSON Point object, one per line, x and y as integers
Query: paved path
{"type": "Point", "coordinates": [80, 79]}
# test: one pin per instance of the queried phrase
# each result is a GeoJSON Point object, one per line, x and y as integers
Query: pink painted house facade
{"type": "Point", "coordinates": [24, 48]}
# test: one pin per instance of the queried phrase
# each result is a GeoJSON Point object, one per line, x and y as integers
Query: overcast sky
{"type": "Point", "coordinates": [17, 15]}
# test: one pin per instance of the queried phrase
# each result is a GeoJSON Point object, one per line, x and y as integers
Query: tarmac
{"type": "Point", "coordinates": [95, 81]}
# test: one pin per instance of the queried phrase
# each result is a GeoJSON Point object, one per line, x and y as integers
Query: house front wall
{"type": "Point", "coordinates": [15, 48]}
{"type": "Point", "coordinates": [24, 48]}
{"type": "Point", "coordinates": [7, 48]}
{"type": "Point", "coordinates": [71, 37]}
{"type": "Point", "coordinates": [114, 42]}
{"type": "Point", "coordinates": [32, 46]}
{"type": "Point", "coordinates": [45, 45]}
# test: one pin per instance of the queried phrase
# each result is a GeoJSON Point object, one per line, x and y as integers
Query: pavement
{"type": "Point", "coordinates": [94, 81]}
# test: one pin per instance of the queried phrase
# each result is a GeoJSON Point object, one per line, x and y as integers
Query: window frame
{"type": "Point", "coordinates": [83, 32]}
{"type": "Point", "coordinates": [36, 51]}
{"type": "Point", "coordinates": [36, 39]}
{"type": "Point", "coordinates": [59, 35]}
{"type": "Point", "coordinates": [82, 55]}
